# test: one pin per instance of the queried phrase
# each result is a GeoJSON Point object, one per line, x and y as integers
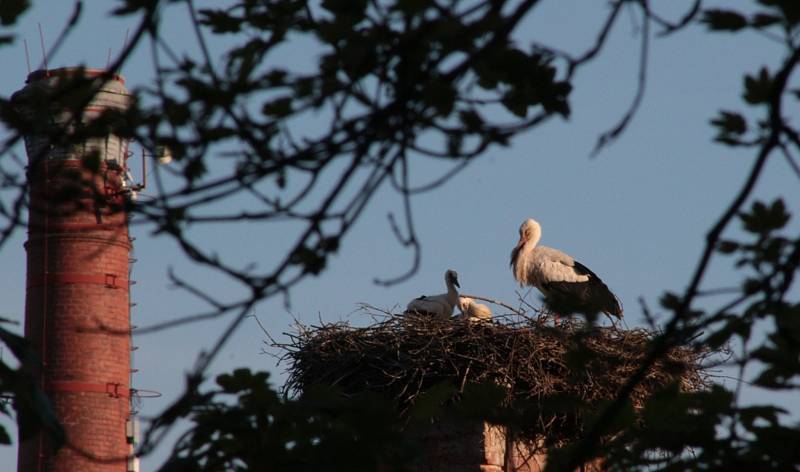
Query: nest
{"type": "Point", "coordinates": [406, 355]}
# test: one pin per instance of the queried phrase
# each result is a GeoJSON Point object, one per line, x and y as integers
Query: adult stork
{"type": "Point", "coordinates": [566, 284]}
{"type": "Point", "coordinates": [440, 306]}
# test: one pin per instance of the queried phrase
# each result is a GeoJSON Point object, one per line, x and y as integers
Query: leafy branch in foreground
{"type": "Point", "coordinates": [244, 424]}
{"type": "Point", "coordinates": [386, 84]}
{"type": "Point", "coordinates": [260, 140]}
{"type": "Point", "coordinates": [768, 267]}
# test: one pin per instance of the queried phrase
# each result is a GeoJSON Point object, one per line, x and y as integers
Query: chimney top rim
{"type": "Point", "coordinates": [43, 74]}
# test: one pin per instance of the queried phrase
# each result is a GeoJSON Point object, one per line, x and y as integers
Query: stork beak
{"type": "Point", "coordinates": [520, 243]}
{"type": "Point", "coordinates": [515, 251]}
{"type": "Point", "coordinates": [455, 282]}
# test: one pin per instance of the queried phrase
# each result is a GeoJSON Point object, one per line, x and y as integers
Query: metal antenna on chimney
{"type": "Point", "coordinates": [27, 57]}
{"type": "Point", "coordinates": [41, 42]}
{"type": "Point", "coordinates": [124, 45]}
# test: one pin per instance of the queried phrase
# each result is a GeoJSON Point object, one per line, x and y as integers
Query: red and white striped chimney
{"type": "Point", "coordinates": [77, 312]}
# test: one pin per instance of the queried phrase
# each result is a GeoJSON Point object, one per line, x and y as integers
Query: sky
{"type": "Point", "coordinates": [636, 213]}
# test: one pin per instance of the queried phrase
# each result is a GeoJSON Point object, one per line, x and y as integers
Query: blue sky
{"type": "Point", "coordinates": [636, 214]}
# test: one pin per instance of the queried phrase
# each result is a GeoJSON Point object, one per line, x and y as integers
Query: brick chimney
{"type": "Point", "coordinates": [77, 312]}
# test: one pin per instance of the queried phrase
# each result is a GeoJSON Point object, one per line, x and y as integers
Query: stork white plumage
{"type": "Point", "coordinates": [440, 306]}
{"type": "Point", "coordinates": [565, 282]}
{"type": "Point", "coordinates": [472, 311]}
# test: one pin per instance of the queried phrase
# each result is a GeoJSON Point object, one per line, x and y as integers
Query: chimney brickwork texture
{"type": "Point", "coordinates": [77, 306]}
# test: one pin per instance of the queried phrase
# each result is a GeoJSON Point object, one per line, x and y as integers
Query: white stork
{"type": "Point", "coordinates": [472, 311]}
{"type": "Point", "coordinates": [440, 306]}
{"type": "Point", "coordinates": [565, 282]}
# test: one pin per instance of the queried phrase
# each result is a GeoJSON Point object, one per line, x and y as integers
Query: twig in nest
{"type": "Point", "coordinates": [496, 302]}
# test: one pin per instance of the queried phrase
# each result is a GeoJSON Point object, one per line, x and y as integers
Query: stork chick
{"type": "Point", "coordinates": [440, 306]}
{"type": "Point", "coordinates": [565, 282]}
{"type": "Point", "coordinates": [472, 311]}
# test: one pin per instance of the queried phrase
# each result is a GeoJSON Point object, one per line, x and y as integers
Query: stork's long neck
{"type": "Point", "coordinates": [536, 235]}
{"type": "Point", "coordinates": [523, 259]}
{"type": "Point", "coordinates": [452, 293]}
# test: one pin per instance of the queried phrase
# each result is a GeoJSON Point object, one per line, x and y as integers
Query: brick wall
{"type": "Point", "coordinates": [77, 314]}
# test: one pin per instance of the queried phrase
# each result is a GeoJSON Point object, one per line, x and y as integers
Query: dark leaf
{"type": "Point", "coordinates": [751, 415]}
{"type": "Point", "coordinates": [515, 105]}
{"type": "Point", "coordinates": [670, 301]}
{"type": "Point", "coordinates": [762, 219]}
{"type": "Point", "coordinates": [758, 89]}
{"type": "Point", "coordinates": [724, 20]}
{"type": "Point", "coordinates": [727, 247]}
{"type": "Point", "coordinates": [329, 244]}
{"type": "Point", "coordinates": [764, 20]}
{"type": "Point", "coordinates": [194, 169]}
{"type": "Point", "coordinates": [478, 400]}
{"type": "Point", "coordinates": [471, 120]}
{"type": "Point", "coordinates": [19, 347]}
{"type": "Point", "coordinates": [312, 262]}
{"type": "Point", "coordinates": [429, 404]}
{"type": "Point", "coordinates": [790, 9]}
{"type": "Point", "coordinates": [350, 10]}
{"type": "Point", "coordinates": [11, 10]}
{"type": "Point", "coordinates": [621, 421]}
{"type": "Point", "coordinates": [718, 338]}
{"type": "Point", "coordinates": [413, 7]}
{"type": "Point", "coordinates": [220, 21]}
{"type": "Point", "coordinates": [752, 286]}
{"type": "Point", "coordinates": [441, 95]}
{"type": "Point", "coordinates": [278, 108]}
{"type": "Point", "coordinates": [730, 123]}
{"type": "Point", "coordinates": [133, 6]}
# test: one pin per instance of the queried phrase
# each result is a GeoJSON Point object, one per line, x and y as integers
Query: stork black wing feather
{"type": "Point", "coordinates": [583, 270]}
{"type": "Point", "coordinates": [590, 296]}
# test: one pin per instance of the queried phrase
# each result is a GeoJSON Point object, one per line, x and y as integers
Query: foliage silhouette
{"type": "Point", "coordinates": [397, 82]}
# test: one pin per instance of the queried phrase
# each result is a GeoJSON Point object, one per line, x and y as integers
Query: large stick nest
{"type": "Point", "coordinates": [405, 355]}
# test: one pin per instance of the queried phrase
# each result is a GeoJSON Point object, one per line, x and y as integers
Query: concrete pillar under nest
{"type": "Point", "coordinates": [467, 446]}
